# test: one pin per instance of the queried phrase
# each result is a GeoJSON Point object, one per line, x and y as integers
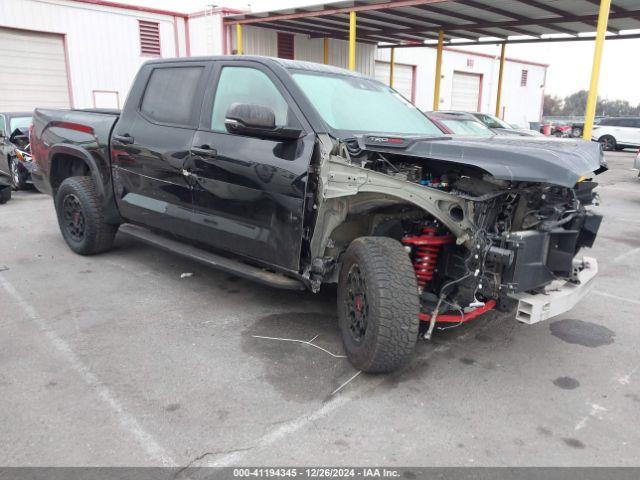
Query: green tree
{"type": "Point", "coordinates": [552, 105]}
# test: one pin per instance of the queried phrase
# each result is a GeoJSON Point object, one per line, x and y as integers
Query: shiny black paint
{"type": "Point", "coordinates": [249, 192]}
{"type": "Point", "coordinates": [148, 160]}
{"type": "Point", "coordinates": [245, 195]}
{"type": "Point", "coordinates": [59, 135]}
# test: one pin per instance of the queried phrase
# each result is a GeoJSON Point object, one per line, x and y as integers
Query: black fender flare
{"type": "Point", "coordinates": [101, 177]}
{"type": "Point", "coordinates": [80, 154]}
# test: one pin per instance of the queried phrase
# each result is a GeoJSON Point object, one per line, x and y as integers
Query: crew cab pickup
{"type": "Point", "coordinates": [297, 175]}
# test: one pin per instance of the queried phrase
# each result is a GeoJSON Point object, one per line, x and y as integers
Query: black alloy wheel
{"type": "Point", "coordinates": [356, 304]}
{"type": "Point", "coordinates": [74, 217]}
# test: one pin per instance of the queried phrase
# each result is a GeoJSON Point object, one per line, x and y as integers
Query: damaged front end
{"type": "Point", "coordinates": [481, 230]}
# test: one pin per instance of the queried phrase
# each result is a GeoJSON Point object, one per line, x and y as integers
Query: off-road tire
{"type": "Point", "coordinates": [18, 180]}
{"type": "Point", "coordinates": [392, 304]}
{"type": "Point", "coordinates": [608, 143]}
{"type": "Point", "coordinates": [97, 235]}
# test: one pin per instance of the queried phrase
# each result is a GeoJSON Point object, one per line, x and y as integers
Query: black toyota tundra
{"type": "Point", "coordinates": [297, 175]}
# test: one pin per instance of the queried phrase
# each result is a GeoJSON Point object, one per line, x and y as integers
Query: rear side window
{"type": "Point", "coordinates": [247, 85]}
{"type": "Point", "coordinates": [170, 95]}
{"type": "Point", "coordinates": [1, 124]}
{"type": "Point", "coordinates": [629, 122]}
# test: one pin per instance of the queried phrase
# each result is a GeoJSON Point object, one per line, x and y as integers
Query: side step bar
{"type": "Point", "coordinates": [211, 259]}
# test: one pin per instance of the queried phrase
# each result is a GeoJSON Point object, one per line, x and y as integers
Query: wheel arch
{"type": "Point", "coordinates": [70, 160]}
{"type": "Point", "coordinates": [341, 220]}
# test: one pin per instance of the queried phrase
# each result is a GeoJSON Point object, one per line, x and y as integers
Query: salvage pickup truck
{"type": "Point", "coordinates": [297, 175]}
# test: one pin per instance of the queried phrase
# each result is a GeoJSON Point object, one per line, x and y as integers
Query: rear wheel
{"type": "Point", "coordinates": [81, 218]}
{"type": "Point", "coordinates": [378, 305]}
{"type": "Point", "coordinates": [608, 142]}
{"type": "Point", "coordinates": [18, 178]}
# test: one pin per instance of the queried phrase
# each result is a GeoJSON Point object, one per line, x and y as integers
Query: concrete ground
{"type": "Point", "coordinates": [117, 360]}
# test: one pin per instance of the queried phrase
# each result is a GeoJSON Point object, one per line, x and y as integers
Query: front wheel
{"type": "Point", "coordinates": [18, 178]}
{"type": "Point", "coordinates": [378, 305]}
{"type": "Point", "coordinates": [81, 217]}
{"type": "Point", "coordinates": [608, 143]}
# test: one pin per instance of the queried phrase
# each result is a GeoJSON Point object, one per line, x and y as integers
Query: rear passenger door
{"type": "Point", "coordinates": [631, 128]}
{"type": "Point", "coordinates": [249, 192]}
{"type": "Point", "coordinates": [151, 143]}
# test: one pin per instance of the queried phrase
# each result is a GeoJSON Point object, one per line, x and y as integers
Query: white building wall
{"type": "Point", "coordinates": [102, 42]}
{"type": "Point", "coordinates": [521, 105]}
{"type": "Point", "coordinates": [263, 41]}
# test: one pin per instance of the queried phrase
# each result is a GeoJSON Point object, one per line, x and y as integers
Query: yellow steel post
{"type": "Point", "coordinates": [436, 89]}
{"type": "Point", "coordinates": [392, 63]}
{"type": "Point", "coordinates": [592, 99]}
{"type": "Point", "coordinates": [352, 40]}
{"type": "Point", "coordinates": [325, 48]}
{"type": "Point", "coordinates": [239, 39]}
{"type": "Point", "coordinates": [500, 75]}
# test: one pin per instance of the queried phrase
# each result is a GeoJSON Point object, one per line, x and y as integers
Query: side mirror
{"type": "Point", "coordinates": [257, 121]}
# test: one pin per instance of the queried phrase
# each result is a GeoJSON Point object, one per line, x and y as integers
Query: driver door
{"type": "Point", "coordinates": [249, 192]}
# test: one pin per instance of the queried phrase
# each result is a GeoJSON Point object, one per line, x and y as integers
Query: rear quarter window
{"type": "Point", "coordinates": [170, 94]}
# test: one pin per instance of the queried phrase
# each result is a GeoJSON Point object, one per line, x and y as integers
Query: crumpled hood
{"type": "Point", "coordinates": [531, 159]}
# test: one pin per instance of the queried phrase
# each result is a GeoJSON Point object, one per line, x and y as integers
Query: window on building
{"type": "Point", "coordinates": [285, 45]}
{"type": "Point", "coordinates": [170, 95]}
{"type": "Point", "coordinates": [247, 85]}
{"type": "Point", "coordinates": [524, 77]}
{"type": "Point", "coordinates": [470, 62]}
{"type": "Point", "coordinates": [149, 38]}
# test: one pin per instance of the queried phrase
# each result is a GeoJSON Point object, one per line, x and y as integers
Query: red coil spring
{"type": "Point", "coordinates": [425, 253]}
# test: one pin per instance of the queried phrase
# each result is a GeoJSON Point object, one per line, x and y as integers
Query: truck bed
{"type": "Point", "coordinates": [59, 132]}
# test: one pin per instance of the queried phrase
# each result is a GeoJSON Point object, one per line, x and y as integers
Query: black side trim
{"type": "Point", "coordinates": [211, 259]}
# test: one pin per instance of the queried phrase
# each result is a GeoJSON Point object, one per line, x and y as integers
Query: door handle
{"type": "Point", "coordinates": [125, 138]}
{"type": "Point", "coordinates": [204, 151]}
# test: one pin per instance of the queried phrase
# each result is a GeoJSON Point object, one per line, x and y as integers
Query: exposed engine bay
{"type": "Point", "coordinates": [474, 240]}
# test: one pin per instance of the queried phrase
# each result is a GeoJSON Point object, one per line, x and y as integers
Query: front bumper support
{"type": "Point", "coordinates": [559, 296]}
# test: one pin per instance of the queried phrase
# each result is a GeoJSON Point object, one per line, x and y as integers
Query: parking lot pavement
{"type": "Point", "coordinates": [117, 360]}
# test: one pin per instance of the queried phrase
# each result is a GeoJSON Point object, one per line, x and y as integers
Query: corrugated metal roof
{"type": "Point", "coordinates": [402, 22]}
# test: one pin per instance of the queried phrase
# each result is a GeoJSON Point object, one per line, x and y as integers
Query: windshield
{"type": "Point", "coordinates": [357, 104]}
{"type": "Point", "coordinates": [467, 127]}
{"type": "Point", "coordinates": [21, 123]}
{"type": "Point", "coordinates": [492, 122]}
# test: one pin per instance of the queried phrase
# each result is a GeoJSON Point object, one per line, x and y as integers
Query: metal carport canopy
{"type": "Point", "coordinates": [413, 23]}
{"type": "Point", "coordinates": [405, 23]}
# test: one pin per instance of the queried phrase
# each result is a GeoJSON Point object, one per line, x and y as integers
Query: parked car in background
{"type": "Point", "coordinates": [617, 133]}
{"type": "Point", "coordinates": [15, 160]}
{"type": "Point", "coordinates": [578, 127]}
{"type": "Point", "coordinates": [459, 123]}
{"type": "Point", "coordinates": [562, 130]}
{"type": "Point", "coordinates": [501, 127]}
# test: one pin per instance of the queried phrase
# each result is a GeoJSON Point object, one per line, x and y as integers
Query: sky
{"type": "Point", "coordinates": [569, 62]}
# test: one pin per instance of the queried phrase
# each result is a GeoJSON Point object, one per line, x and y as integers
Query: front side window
{"type": "Point", "coordinates": [170, 95]}
{"type": "Point", "coordinates": [356, 104]}
{"type": "Point", "coordinates": [251, 86]}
